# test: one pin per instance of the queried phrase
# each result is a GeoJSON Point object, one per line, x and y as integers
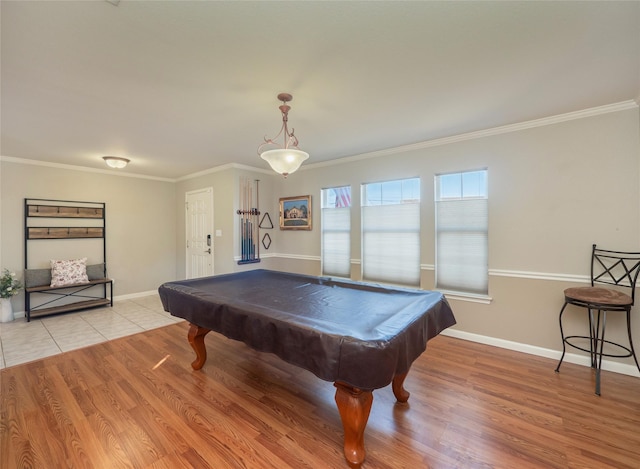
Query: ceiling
{"type": "Point", "coordinates": [180, 87]}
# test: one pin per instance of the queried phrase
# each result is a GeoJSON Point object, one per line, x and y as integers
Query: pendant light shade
{"type": "Point", "coordinates": [287, 158]}
{"type": "Point", "coordinates": [284, 161]}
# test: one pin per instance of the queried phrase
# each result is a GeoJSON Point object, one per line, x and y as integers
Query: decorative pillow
{"type": "Point", "coordinates": [68, 272]}
{"type": "Point", "coordinates": [96, 271]}
{"type": "Point", "coordinates": [37, 277]}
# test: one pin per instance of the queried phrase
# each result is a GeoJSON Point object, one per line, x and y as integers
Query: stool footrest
{"type": "Point", "coordinates": [627, 350]}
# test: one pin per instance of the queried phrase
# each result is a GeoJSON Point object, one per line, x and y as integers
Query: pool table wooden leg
{"type": "Point", "coordinates": [354, 406]}
{"type": "Point", "coordinates": [196, 339]}
{"type": "Point", "coordinates": [402, 395]}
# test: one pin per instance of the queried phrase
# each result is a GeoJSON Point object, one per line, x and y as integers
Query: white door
{"type": "Point", "coordinates": [199, 224]}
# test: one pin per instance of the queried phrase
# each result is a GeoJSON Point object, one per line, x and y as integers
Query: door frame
{"type": "Point", "coordinates": [187, 194]}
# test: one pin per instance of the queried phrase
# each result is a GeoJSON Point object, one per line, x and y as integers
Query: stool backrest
{"type": "Point", "coordinates": [615, 268]}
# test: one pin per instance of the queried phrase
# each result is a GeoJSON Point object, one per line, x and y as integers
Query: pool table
{"type": "Point", "coordinates": [359, 336]}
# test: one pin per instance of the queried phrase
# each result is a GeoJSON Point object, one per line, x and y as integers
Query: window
{"type": "Point", "coordinates": [391, 232]}
{"type": "Point", "coordinates": [336, 231]}
{"type": "Point", "coordinates": [462, 232]}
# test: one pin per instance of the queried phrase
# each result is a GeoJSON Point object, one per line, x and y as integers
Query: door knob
{"type": "Point", "coordinates": [208, 251]}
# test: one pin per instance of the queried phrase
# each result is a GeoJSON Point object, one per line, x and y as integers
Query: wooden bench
{"type": "Point", "coordinates": [38, 281]}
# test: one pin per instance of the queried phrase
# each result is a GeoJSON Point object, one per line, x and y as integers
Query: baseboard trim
{"type": "Point", "coordinates": [616, 367]}
{"type": "Point", "coordinates": [135, 295]}
{"type": "Point", "coordinates": [21, 314]}
{"type": "Point", "coordinates": [583, 360]}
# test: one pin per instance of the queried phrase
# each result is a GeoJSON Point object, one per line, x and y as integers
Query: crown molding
{"type": "Point", "coordinates": [224, 167]}
{"type": "Point", "coordinates": [569, 116]}
{"type": "Point", "coordinates": [110, 172]}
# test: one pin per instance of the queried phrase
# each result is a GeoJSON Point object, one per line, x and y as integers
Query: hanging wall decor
{"type": "Point", "coordinates": [266, 223]}
{"type": "Point", "coordinates": [249, 216]}
{"type": "Point", "coordinates": [266, 241]}
{"type": "Point", "coordinates": [295, 213]}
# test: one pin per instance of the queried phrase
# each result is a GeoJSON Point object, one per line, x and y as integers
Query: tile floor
{"type": "Point", "coordinates": [22, 341]}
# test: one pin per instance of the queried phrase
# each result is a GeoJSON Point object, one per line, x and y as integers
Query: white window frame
{"type": "Point", "coordinates": [462, 234]}
{"type": "Point", "coordinates": [390, 232]}
{"type": "Point", "coordinates": [336, 231]}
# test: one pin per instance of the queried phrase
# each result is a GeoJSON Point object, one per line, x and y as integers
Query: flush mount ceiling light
{"type": "Point", "coordinates": [115, 161]}
{"type": "Point", "coordinates": [287, 158]}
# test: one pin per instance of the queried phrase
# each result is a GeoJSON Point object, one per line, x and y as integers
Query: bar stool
{"type": "Point", "coordinates": [615, 268]}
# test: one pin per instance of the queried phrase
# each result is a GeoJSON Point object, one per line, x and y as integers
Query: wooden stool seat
{"type": "Point", "coordinates": [620, 270]}
{"type": "Point", "coordinates": [597, 296]}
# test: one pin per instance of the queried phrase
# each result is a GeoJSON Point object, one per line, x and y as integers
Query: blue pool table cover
{"type": "Point", "coordinates": [343, 331]}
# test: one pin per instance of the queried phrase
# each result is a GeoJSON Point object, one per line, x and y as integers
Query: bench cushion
{"type": "Point", "coordinates": [41, 277]}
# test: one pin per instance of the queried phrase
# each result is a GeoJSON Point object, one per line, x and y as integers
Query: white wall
{"type": "Point", "coordinates": [554, 190]}
{"type": "Point", "coordinates": [545, 185]}
{"type": "Point", "coordinates": [140, 221]}
{"type": "Point", "coordinates": [226, 248]}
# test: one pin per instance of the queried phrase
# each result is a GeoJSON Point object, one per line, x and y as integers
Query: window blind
{"type": "Point", "coordinates": [461, 245]}
{"type": "Point", "coordinates": [336, 231]}
{"type": "Point", "coordinates": [391, 243]}
{"type": "Point", "coordinates": [336, 242]}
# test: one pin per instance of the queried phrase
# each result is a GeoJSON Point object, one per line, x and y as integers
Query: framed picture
{"type": "Point", "coordinates": [295, 213]}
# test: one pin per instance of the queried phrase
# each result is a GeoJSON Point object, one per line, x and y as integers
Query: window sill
{"type": "Point", "coordinates": [462, 296]}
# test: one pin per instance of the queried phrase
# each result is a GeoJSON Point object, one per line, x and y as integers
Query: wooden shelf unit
{"type": "Point", "coordinates": [56, 209]}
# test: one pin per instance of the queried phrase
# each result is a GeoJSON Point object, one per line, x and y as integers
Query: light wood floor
{"type": "Point", "coordinates": [471, 406]}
